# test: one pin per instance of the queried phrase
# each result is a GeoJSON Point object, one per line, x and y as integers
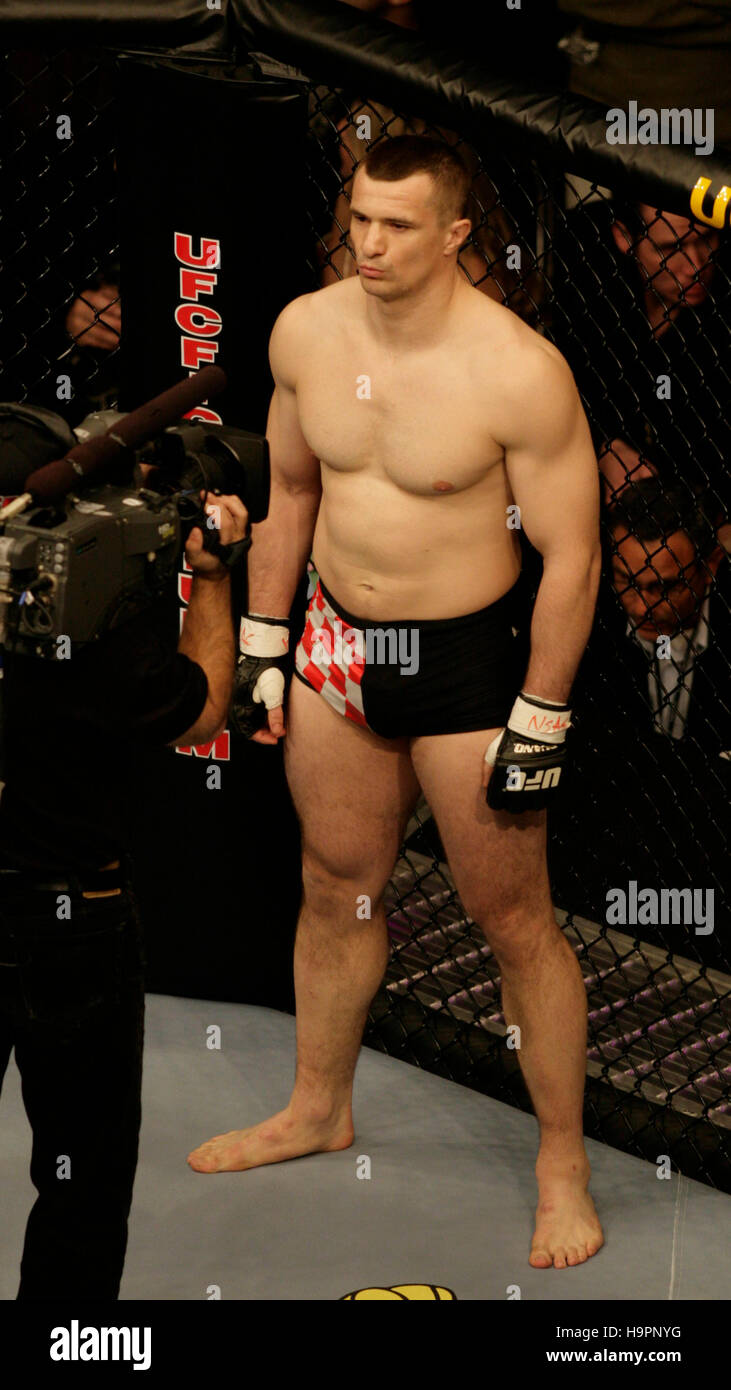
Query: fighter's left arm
{"type": "Point", "coordinates": [553, 475]}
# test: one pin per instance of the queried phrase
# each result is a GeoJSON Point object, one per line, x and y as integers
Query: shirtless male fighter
{"type": "Point", "coordinates": [411, 413]}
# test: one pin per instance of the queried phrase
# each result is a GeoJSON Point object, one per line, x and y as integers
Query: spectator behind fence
{"type": "Point", "coordinates": [671, 577]}
{"type": "Point", "coordinates": [93, 321]}
{"type": "Point", "coordinates": [82, 361]}
{"type": "Point", "coordinates": [647, 795]}
{"type": "Point", "coordinates": [95, 317]}
{"type": "Point", "coordinates": [642, 315]}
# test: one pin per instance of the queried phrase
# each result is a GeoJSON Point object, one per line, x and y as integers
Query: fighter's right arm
{"type": "Point", "coordinates": [281, 545]}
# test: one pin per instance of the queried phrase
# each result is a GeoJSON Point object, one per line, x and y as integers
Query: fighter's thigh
{"type": "Point", "coordinates": [497, 859]}
{"type": "Point", "coordinates": [353, 792]}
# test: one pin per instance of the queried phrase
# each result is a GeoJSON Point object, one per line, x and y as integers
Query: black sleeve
{"type": "Point", "coordinates": [153, 692]}
{"type": "Point", "coordinates": [171, 701]}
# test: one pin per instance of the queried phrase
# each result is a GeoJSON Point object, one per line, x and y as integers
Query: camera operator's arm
{"type": "Point", "coordinates": [208, 636]}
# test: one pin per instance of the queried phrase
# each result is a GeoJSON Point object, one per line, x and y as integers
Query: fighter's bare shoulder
{"type": "Point", "coordinates": [300, 324]}
{"type": "Point", "coordinates": [524, 380]}
{"type": "Point", "coordinates": [505, 341]}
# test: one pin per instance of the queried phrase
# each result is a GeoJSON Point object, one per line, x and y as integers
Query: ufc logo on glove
{"type": "Point", "coordinates": [526, 769]}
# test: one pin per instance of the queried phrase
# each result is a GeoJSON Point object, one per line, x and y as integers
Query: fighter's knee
{"type": "Point", "coordinates": [512, 929]}
{"type": "Point", "coordinates": [336, 884]}
{"type": "Point", "coordinates": [488, 911]}
{"type": "Point", "coordinates": [315, 871]}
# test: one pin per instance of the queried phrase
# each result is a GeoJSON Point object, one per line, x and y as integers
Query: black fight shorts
{"type": "Point", "coordinates": [412, 678]}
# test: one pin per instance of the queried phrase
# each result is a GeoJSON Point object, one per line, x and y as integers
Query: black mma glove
{"type": "Point", "coordinates": [528, 755]}
{"type": "Point", "coordinates": [262, 671]}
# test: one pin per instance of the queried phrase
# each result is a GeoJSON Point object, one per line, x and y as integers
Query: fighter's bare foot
{"type": "Point", "coordinates": [567, 1226]}
{"type": "Point", "coordinates": [274, 1140]}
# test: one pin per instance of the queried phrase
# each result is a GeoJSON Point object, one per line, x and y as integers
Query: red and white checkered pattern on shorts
{"type": "Point", "coordinates": [338, 683]}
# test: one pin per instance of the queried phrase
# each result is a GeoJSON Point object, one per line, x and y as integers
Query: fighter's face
{"type": "Point", "coordinates": [660, 584]}
{"type": "Point", "coordinates": [398, 234]}
{"type": "Point", "coordinates": [674, 257]}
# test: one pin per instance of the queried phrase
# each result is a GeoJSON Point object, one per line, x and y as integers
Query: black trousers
{"type": "Point", "coordinates": [72, 1006]}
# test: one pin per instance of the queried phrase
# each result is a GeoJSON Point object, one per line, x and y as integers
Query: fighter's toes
{"type": "Point", "coordinates": [209, 1157]}
{"type": "Point", "coordinates": [567, 1231]}
{"type": "Point", "coordinates": [202, 1159]}
{"type": "Point", "coordinates": [200, 1164]}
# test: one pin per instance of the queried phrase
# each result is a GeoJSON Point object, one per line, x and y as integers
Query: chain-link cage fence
{"type": "Point", "coordinates": [61, 275]}
{"type": "Point", "coordinates": [639, 305]}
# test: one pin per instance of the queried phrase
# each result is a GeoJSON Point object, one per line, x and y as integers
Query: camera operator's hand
{"type": "Point", "coordinates": [230, 518]}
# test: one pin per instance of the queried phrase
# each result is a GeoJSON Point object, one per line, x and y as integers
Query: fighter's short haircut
{"type": "Point", "coordinates": [403, 155]}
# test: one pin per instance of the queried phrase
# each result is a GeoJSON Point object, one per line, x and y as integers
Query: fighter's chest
{"type": "Point", "coordinates": [422, 427]}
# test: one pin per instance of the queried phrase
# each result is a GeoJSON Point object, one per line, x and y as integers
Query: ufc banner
{"type": "Point", "coordinates": [213, 245]}
{"type": "Point", "coordinates": [213, 241]}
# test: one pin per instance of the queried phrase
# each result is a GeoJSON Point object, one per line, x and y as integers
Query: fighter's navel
{"type": "Point", "coordinates": [442, 487]}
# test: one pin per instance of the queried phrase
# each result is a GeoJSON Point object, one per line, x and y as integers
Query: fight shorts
{"type": "Point", "coordinates": [412, 678]}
